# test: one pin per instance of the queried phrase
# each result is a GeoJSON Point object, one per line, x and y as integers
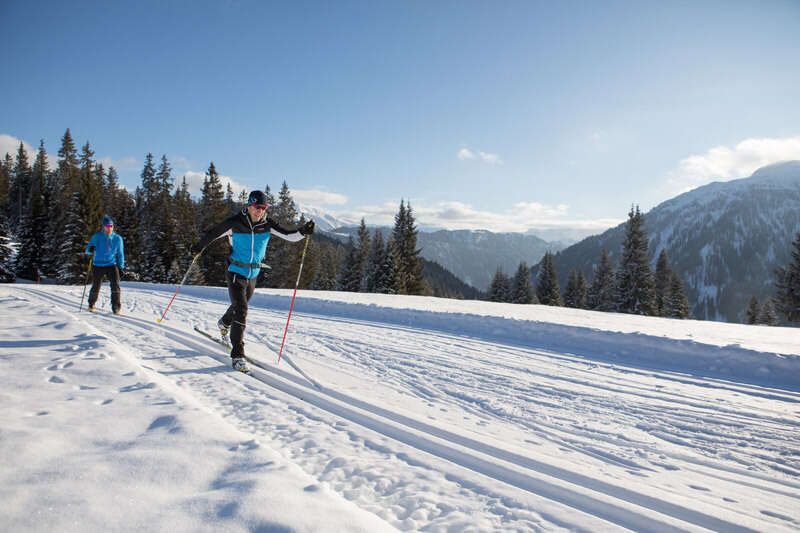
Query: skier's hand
{"type": "Point", "coordinates": [307, 228]}
{"type": "Point", "coordinates": [91, 250]}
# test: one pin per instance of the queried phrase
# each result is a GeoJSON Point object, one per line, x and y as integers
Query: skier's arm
{"type": "Point", "coordinates": [121, 255]}
{"type": "Point", "coordinates": [214, 233]}
{"type": "Point", "coordinates": [291, 235]}
{"type": "Point", "coordinates": [91, 246]}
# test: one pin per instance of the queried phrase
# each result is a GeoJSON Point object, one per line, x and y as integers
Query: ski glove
{"type": "Point", "coordinates": [91, 250]}
{"type": "Point", "coordinates": [307, 228]}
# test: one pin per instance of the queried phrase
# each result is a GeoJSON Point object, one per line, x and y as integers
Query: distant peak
{"type": "Point", "coordinates": [783, 169]}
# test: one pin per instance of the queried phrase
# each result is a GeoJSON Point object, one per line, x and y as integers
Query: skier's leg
{"type": "Point", "coordinates": [237, 290]}
{"type": "Point", "coordinates": [113, 277]}
{"type": "Point", "coordinates": [97, 280]}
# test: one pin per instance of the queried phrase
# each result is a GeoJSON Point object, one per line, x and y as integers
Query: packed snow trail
{"type": "Point", "coordinates": [528, 439]}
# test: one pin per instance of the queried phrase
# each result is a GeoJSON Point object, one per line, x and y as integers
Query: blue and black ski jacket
{"type": "Point", "coordinates": [248, 241]}
{"type": "Point", "coordinates": [108, 250]}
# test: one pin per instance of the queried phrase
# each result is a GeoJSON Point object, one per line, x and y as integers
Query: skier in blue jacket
{"type": "Point", "coordinates": [248, 231]}
{"type": "Point", "coordinates": [109, 260]}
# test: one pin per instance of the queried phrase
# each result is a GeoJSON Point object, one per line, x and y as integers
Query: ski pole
{"type": "Point", "coordinates": [86, 282]}
{"type": "Point", "coordinates": [291, 306]}
{"type": "Point", "coordinates": [178, 288]}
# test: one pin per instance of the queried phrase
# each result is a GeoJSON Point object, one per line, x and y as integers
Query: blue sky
{"type": "Point", "coordinates": [498, 115]}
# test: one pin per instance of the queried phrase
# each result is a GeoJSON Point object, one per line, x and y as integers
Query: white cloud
{"type": "Point", "coordinates": [488, 158]}
{"type": "Point", "coordinates": [10, 144]}
{"type": "Point", "coordinates": [465, 153]}
{"type": "Point", "coordinates": [724, 163]}
{"type": "Point", "coordinates": [126, 163]}
{"type": "Point", "coordinates": [317, 197]}
{"type": "Point", "coordinates": [195, 182]}
{"type": "Point", "coordinates": [456, 215]}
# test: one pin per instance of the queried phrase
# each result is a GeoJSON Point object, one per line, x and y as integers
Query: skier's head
{"type": "Point", "coordinates": [108, 224]}
{"type": "Point", "coordinates": [257, 205]}
{"type": "Point", "coordinates": [257, 198]}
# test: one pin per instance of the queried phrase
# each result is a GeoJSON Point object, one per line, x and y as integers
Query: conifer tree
{"type": "Point", "coordinates": [753, 310]}
{"type": "Point", "coordinates": [788, 285]}
{"type": "Point", "coordinates": [768, 316]}
{"type": "Point", "coordinates": [521, 290]}
{"type": "Point", "coordinates": [6, 272]}
{"type": "Point", "coordinates": [83, 216]}
{"type": "Point", "coordinates": [635, 291]}
{"type": "Point", "coordinates": [663, 280]}
{"type": "Point", "coordinates": [601, 295]}
{"type": "Point", "coordinates": [185, 235]}
{"type": "Point", "coordinates": [5, 183]}
{"type": "Point", "coordinates": [61, 186]}
{"type": "Point", "coordinates": [409, 277]}
{"type": "Point", "coordinates": [500, 287]}
{"type": "Point", "coordinates": [350, 272]}
{"type": "Point", "coordinates": [676, 305]}
{"type": "Point", "coordinates": [547, 289]}
{"type": "Point", "coordinates": [374, 261]}
{"type": "Point", "coordinates": [325, 274]}
{"type": "Point", "coordinates": [20, 185]}
{"type": "Point", "coordinates": [160, 246]}
{"type": "Point", "coordinates": [29, 262]}
{"type": "Point", "coordinates": [284, 257]}
{"type": "Point", "coordinates": [213, 210]}
{"type": "Point", "coordinates": [576, 291]}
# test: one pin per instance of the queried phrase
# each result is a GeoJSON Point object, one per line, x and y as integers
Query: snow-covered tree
{"type": "Point", "coordinates": [32, 228]}
{"type": "Point", "coordinates": [676, 305]}
{"type": "Point", "coordinates": [788, 285]}
{"type": "Point", "coordinates": [6, 252]}
{"type": "Point", "coordinates": [547, 289]}
{"type": "Point", "coordinates": [635, 291]}
{"type": "Point", "coordinates": [601, 295]}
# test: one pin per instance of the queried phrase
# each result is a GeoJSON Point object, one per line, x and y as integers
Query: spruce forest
{"type": "Point", "coordinates": [47, 216]}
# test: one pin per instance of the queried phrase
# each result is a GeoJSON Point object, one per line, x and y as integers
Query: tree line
{"type": "Point", "coordinates": [633, 287]}
{"type": "Point", "coordinates": [48, 215]}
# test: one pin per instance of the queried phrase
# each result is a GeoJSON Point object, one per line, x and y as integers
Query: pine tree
{"type": "Point", "coordinates": [6, 252]}
{"type": "Point", "coordinates": [5, 183]}
{"type": "Point", "coordinates": [788, 285]}
{"type": "Point", "coordinates": [575, 292]}
{"type": "Point", "coordinates": [663, 281]}
{"type": "Point", "coordinates": [61, 186]}
{"type": "Point", "coordinates": [547, 289]}
{"type": "Point", "coordinates": [29, 262]}
{"type": "Point", "coordinates": [676, 305]}
{"type": "Point", "coordinates": [409, 277]}
{"type": "Point", "coordinates": [374, 261]}
{"type": "Point", "coordinates": [753, 310]}
{"type": "Point", "coordinates": [185, 235]}
{"type": "Point", "coordinates": [20, 185]}
{"type": "Point", "coordinates": [284, 257]}
{"type": "Point", "coordinates": [500, 287]}
{"type": "Point", "coordinates": [213, 210]}
{"type": "Point", "coordinates": [635, 291]}
{"type": "Point", "coordinates": [768, 316]}
{"type": "Point", "coordinates": [349, 274]}
{"type": "Point", "coordinates": [326, 272]}
{"type": "Point", "coordinates": [601, 295]}
{"type": "Point", "coordinates": [521, 290]}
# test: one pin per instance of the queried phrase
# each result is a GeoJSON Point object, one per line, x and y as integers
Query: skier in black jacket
{"type": "Point", "coordinates": [249, 232]}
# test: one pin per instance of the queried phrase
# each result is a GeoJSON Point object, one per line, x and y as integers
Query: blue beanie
{"type": "Point", "coordinates": [108, 221]}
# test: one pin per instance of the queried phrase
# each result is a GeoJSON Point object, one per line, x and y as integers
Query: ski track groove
{"type": "Point", "coordinates": [463, 450]}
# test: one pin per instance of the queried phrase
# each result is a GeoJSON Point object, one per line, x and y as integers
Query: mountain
{"type": "Point", "coordinates": [323, 220]}
{"type": "Point", "coordinates": [724, 239]}
{"type": "Point", "coordinates": [474, 255]}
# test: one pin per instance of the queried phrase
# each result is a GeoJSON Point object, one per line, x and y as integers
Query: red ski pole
{"type": "Point", "coordinates": [178, 288]}
{"type": "Point", "coordinates": [291, 306]}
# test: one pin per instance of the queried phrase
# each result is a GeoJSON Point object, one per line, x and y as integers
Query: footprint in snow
{"type": "Point", "coordinates": [55, 379]}
{"type": "Point", "coordinates": [780, 516]}
{"type": "Point", "coordinates": [700, 488]}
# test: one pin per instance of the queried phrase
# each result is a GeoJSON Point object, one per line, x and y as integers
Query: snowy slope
{"type": "Point", "coordinates": [433, 415]}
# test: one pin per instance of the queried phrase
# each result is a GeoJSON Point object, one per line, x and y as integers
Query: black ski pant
{"type": "Point", "coordinates": [240, 289]}
{"type": "Point", "coordinates": [98, 273]}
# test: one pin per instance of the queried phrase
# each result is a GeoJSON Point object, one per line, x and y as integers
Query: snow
{"type": "Point", "coordinates": [433, 415]}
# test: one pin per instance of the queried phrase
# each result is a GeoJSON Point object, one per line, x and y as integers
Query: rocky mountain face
{"type": "Point", "coordinates": [724, 239]}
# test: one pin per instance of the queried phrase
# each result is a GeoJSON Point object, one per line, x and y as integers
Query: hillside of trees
{"type": "Point", "coordinates": [50, 214]}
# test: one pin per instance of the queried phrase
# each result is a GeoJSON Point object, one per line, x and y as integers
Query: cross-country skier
{"type": "Point", "coordinates": [248, 231]}
{"type": "Point", "coordinates": [109, 260]}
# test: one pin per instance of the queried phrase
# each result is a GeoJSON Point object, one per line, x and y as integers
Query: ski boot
{"type": "Point", "coordinates": [224, 329]}
{"type": "Point", "coordinates": [240, 364]}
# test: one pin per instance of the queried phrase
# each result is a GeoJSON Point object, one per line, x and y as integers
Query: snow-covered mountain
{"type": "Point", "coordinates": [324, 220]}
{"type": "Point", "coordinates": [724, 239]}
{"type": "Point", "coordinates": [474, 255]}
